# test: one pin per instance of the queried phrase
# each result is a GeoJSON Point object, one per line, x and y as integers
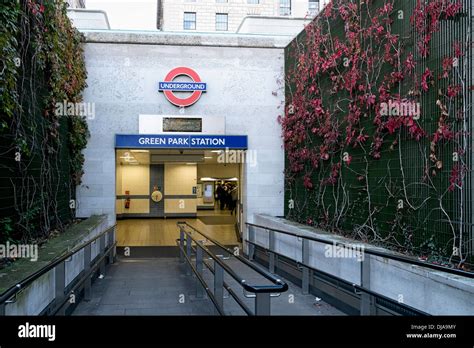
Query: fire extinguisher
{"type": "Point", "coordinates": [127, 201]}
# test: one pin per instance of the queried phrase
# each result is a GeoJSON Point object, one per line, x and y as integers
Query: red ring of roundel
{"type": "Point", "coordinates": [183, 102]}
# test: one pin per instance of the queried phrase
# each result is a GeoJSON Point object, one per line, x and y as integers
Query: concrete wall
{"type": "Point", "coordinates": [431, 291]}
{"type": "Point", "coordinates": [245, 85]}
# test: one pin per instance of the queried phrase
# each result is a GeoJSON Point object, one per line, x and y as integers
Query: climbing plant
{"type": "Point", "coordinates": [41, 149]}
{"type": "Point", "coordinates": [376, 128]}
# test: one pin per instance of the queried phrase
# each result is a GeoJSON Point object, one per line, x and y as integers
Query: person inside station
{"type": "Point", "coordinates": [220, 195]}
{"type": "Point", "coordinates": [234, 196]}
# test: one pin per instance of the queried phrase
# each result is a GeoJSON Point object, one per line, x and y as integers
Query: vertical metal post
{"type": "Point", "coordinates": [199, 264]}
{"type": "Point", "coordinates": [188, 253]}
{"type": "Point", "coordinates": [367, 301]}
{"type": "Point", "coordinates": [271, 254]}
{"type": "Point", "coordinates": [60, 281]}
{"type": "Point", "coordinates": [305, 262]}
{"type": "Point", "coordinates": [262, 303]}
{"type": "Point", "coordinates": [111, 237]}
{"type": "Point", "coordinates": [218, 285]}
{"type": "Point", "coordinates": [251, 245]}
{"type": "Point", "coordinates": [87, 269]}
{"type": "Point", "coordinates": [181, 244]}
{"type": "Point", "coordinates": [101, 253]}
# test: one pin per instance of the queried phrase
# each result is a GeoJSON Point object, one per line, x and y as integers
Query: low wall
{"type": "Point", "coordinates": [35, 298]}
{"type": "Point", "coordinates": [430, 291]}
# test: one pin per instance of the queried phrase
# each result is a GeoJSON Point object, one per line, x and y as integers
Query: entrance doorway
{"type": "Point", "coordinates": [156, 188]}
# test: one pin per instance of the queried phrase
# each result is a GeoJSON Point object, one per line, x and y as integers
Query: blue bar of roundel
{"type": "Point", "coordinates": [180, 141]}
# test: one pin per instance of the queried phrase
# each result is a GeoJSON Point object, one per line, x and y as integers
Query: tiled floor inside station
{"type": "Point", "coordinates": [164, 232]}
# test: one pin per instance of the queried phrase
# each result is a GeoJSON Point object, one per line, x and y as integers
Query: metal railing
{"type": "Point", "coordinates": [189, 245]}
{"type": "Point", "coordinates": [367, 303]}
{"type": "Point", "coordinates": [63, 292]}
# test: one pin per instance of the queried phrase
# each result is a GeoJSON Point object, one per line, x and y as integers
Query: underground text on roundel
{"type": "Point", "coordinates": [28, 330]}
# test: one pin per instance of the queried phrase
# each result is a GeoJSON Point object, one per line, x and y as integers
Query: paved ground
{"type": "Point", "coordinates": [159, 286]}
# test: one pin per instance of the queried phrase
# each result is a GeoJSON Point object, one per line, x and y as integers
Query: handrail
{"type": "Point", "coordinates": [6, 295]}
{"type": "Point", "coordinates": [263, 293]}
{"type": "Point", "coordinates": [203, 283]}
{"type": "Point", "coordinates": [279, 285]}
{"type": "Point", "coordinates": [371, 252]}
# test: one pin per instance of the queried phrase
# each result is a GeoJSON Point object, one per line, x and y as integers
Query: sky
{"type": "Point", "coordinates": [127, 14]}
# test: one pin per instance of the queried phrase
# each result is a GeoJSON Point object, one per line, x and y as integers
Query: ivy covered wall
{"type": "Point", "coordinates": [42, 66]}
{"type": "Point", "coordinates": [378, 125]}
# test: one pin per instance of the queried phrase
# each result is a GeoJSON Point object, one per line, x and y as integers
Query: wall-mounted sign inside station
{"type": "Point", "coordinates": [163, 141]}
{"type": "Point", "coordinates": [169, 87]}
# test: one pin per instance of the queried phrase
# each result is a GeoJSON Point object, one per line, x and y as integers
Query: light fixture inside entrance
{"type": "Point", "coordinates": [140, 151]}
{"type": "Point", "coordinates": [190, 164]}
{"type": "Point", "coordinates": [217, 151]}
{"type": "Point", "coordinates": [208, 179]}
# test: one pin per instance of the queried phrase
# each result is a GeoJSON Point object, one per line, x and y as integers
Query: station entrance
{"type": "Point", "coordinates": [155, 188]}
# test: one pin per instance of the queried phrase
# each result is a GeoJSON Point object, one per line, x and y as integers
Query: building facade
{"type": "Point", "coordinates": [125, 70]}
{"type": "Point", "coordinates": [227, 15]}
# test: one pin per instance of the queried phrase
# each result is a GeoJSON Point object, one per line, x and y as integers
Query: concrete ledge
{"type": "Point", "coordinates": [431, 291]}
{"type": "Point", "coordinates": [34, 299]}
{"type": "Point", "coordinates": [184, 39]}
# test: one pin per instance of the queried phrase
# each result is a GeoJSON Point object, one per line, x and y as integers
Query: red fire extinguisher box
{"type": "Point", "coordinates": [127, 200]}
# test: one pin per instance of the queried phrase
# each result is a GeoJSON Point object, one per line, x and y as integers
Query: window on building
{"type": "Point", "coordinates": [189, 21]}
{"type": "Point", "coordinates": [253, 1]}
{"type": "Point", "coordinates": [222, 20]}
{"type": "Point", "coordinates": [313, 7]}
{"type": "Point", "coordinates": [222, 1]}
{"type": "Point", "coordinates": [285, 7]}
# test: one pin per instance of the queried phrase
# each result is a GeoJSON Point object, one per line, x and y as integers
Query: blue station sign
{"type": "Point", "coordinates": [184, 141]}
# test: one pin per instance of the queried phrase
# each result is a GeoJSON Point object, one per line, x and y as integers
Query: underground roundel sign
{"type": "Point", "coordinates": [169, 87]}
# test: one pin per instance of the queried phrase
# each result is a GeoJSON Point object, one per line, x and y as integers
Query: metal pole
{"type": "Point", "coordinates": [251, 245]}
{"type": "Point", "coordinates": [218, 286]}
{"type": "Point", "coordinates": [199, 265]}
{"type": "Point", "coordinates": [262, 303]}
{"type": "Point", "coordinates": [271, 248]}
{"type": "Point", "coordinates": [111, 240]}
{"type": "Point", "coordinates": [87, 269]}
{"type": "Point", "coordinates": [101, 253]}
{"type": "Point", "coordinates": [181, 244]}
{"type": "Point", "coordinates": [60, 280]}
{"type": "Point", "coordinates": [367, 305]}
{"type": "Point", "coordinates": [306, 271]}
{"type": "Point", "coordinates": [188, 253]}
